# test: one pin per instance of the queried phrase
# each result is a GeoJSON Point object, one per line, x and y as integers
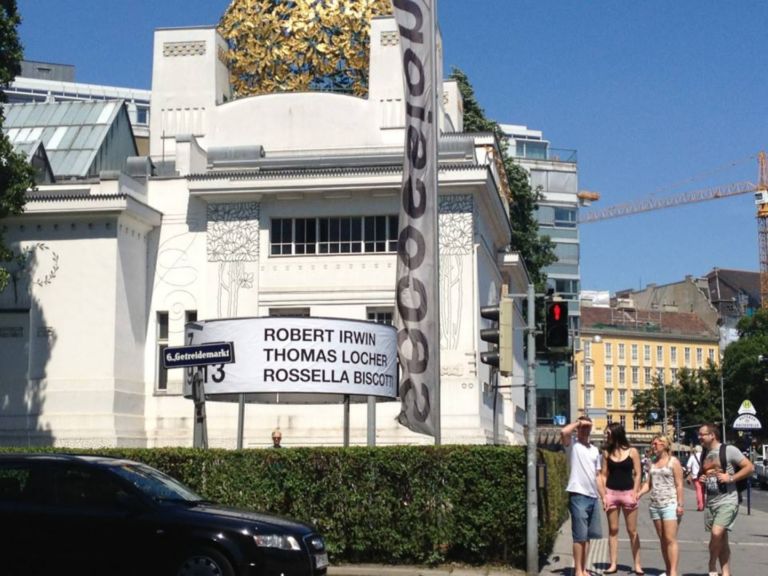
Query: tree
{"type": "Point", "coordinates": [537, 251]}
{"type": "Point", "coordinates": [744, 377]}
{"type": "Point", "coordinates": [299, 45]}
{"type": "Point", "coordinates": [16, 175]}
{"type": "Point", "coordinates": [694, 398]}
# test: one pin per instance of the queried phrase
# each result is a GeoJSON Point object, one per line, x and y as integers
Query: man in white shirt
{"type": "Point", "coordinates": [584, 463]}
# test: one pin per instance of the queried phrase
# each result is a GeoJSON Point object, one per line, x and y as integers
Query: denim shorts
{"type": "Point", "coordinates": [585, 518]}
{"type": "Point", "coordinates": [668, 512]}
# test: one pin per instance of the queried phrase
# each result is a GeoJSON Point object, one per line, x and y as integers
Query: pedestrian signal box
{"type": "Point", "coordinates": [556, 325]}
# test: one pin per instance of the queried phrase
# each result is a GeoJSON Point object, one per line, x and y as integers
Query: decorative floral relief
{"type": "Point", "coordinates": [233, 240]}
{"type": "Point", "coordinates": [35, 264]}
{"type": "Point", "coordinates": [456, 224]}
{"type": "Point", "coordinates": [177, 274]}
{"type": "Point", "coordinates": [456, 235]}
{"type": "Point", "coordinates": [233, 232]}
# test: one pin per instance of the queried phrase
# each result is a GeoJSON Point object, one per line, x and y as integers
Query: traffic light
{"type": "Point", "coordinates": [556, 325]}
{"type": "Point", "coordinates": [500, 336]}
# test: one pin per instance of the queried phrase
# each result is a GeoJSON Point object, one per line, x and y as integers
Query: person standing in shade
{"type": "Point", "coordinates": [722, 496]}
{"type": "Point", "coordinates": [277, 437]}
{"type": "Point", "coordinates": [584, 463]}
{"type": "Point", "coordinates": [693, 466]}
{"type": "Point", "coordinates": [621, 476]}
{"type": "Point", "coordinates": [665, 483]}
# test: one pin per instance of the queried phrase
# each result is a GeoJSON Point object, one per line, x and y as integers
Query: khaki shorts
{"type": "Point", "coordinates": [724, 515]}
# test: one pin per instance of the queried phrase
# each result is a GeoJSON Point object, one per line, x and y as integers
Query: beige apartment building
{"type": "Point", "coordinates": [622, 349]}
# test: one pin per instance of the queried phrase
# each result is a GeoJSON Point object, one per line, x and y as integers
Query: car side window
{"type": "Point", "coordinates": [81, 487]}
{"type": "Point", "coordinates": [14, 479]}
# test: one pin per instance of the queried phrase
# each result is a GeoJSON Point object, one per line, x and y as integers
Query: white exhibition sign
{"type": "Point", "coordinates": [298, 360]}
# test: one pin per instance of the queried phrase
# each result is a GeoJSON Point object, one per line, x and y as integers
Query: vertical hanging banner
{"type": "Point", "coordinates": [418, 310]}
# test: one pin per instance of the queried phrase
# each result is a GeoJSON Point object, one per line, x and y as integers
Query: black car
{"type": "Point", "coordinates": [66, 514]}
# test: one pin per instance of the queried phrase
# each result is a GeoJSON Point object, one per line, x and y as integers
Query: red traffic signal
{"type": "Point", "coordinates": [556, 325]}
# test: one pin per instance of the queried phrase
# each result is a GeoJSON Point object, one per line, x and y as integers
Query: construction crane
{"type": "Point", "coordinates": [760, 191]}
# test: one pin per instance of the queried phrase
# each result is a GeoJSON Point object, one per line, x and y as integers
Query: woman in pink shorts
{"type": "Point", "coordinates": [620, 483]}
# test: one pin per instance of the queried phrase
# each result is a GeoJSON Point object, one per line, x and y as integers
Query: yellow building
{"type": "Point", "coordinates": [621, 351]}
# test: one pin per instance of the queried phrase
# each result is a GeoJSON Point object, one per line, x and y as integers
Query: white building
{"type": "Point", "coordinates": [276, 204]}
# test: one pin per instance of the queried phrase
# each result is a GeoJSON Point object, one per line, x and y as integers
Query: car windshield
{"type": "Point", "coordinates": [155, 484]}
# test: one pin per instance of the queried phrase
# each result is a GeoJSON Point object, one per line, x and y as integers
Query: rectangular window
{"type": "Point", "coordinates": [609, 398]}
{"type": "Point", "coordinates": [673, 355]}
{"type": "Point", "coordinates": [623, 421]}
{"type": "Point", "coordinates": [566, 287]}
{"type": "Point", "coordinates": [608, 352]}
{"type": "Point", "coordinates": [647, 376]}
{"type": "Point", "coordinates": [712, 355]}
{"type": "Point", "coordinates": [161, 338]}
{"type": "Point", "coordinates": [659, 355]}
{"type": "Point", "coordinates": [622, 356]}
{"type": "Point", "coordinates": [635, 424]}
{"type": "Point", "coordinates": [699, 357]}
{"type": "Point", "coordinates": [673, 375]}
{"type": "Point", "coordinates": [647, 354]}
{"type": "Point", "coordinates": [281, 236]}
{"type": "Point", "coordinates": [634, 353]}
{"type": "Point", "coordinates": [565, 217]}
{"type": "Point", "coordinates": [295, 312]}
{"type": "Point", "coordinates": [635, 376]}
{"type": "Point", "coordinates": [587, 347]}
{"type": "Point", "coordinates": [609, 375]}
{"type": "Point", "coordinates": [687, 356]}
{"type": "Point", "coordinates": [587, 373]}
{"type": "Point", "coordinates": [380, 315]}
{"type": "Point", "coordinates": [588, 398]}
{"type": "Point", "coordinates": [622, 375]}
{"type": "Point", "coordinates": [609, 418]}
{"type": "Point", "coordinates": [333, 235]}
{"type": "Point", "coordinates": [660, 374]}
{"type": "Point", "coordinates": [190, 316]}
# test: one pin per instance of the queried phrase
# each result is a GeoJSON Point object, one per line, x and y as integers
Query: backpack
{"type": "Point", "coordinates": [741, 485]}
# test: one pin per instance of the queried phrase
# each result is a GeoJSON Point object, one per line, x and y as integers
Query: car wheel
{"type": "Point", "coordinates": [205, 562]}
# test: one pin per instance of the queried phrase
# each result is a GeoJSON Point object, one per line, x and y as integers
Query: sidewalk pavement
{"type": "Point", "coordinates": [383, 570]}
{"type": "Point", "coordinates": [749, 545]}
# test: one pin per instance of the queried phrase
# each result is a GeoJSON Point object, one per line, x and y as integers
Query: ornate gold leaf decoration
{"type": "Point", "coordinates": [299, 45]}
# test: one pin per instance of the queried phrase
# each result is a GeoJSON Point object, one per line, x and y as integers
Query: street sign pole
{"type": "Point", "coordinates": [200, 433]}
{"type": "Point", "coordinates": [532, 504]}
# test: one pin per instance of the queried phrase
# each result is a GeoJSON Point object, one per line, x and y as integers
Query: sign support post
{"type": "Point", "coordinates": [200, 434]}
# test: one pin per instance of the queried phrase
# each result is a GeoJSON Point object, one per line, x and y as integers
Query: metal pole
{"type": "Point", "coordinates": [371, 421]}
{"type": "Point", "coordinates": [200, 430]}
{"type": "Point", "coordinates": [664, 420]}
{"type": "Point", "coordinates": [722, 400]}
{"type": "Point", "coordinates": [240, 420]}
{"type": "Point", "coordinates": [532, 505]}
{"type": "Point", "coordinates": [437, 96]}
{"type": "Point", "coordinates": [346, 420]}
{"type": "Point", "coordinates": [495, 392]}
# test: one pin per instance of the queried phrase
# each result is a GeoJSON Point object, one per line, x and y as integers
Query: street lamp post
{"type": "Point", "coordinates": [722, 399]}
{"type": "Point", "coordinates": [587, 362]}
{"type": "Point", "coordinates": [664, 417]}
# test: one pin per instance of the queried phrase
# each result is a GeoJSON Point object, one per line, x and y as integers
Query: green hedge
{"type": "Point", "coordinates": [401, 504]}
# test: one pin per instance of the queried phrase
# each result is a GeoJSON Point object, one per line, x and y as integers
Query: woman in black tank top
{"type": "Point", "coordinates": [619, 486]}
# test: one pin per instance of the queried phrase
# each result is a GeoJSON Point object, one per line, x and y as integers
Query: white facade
{"type": "Point", "coordinates": [117, 266]}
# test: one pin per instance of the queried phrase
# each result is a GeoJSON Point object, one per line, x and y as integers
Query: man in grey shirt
{"type": "Point", "coordinates": [722, 496]}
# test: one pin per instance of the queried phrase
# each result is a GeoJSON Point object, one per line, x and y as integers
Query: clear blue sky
{"type": "Point", "coordinates": [651, 94]}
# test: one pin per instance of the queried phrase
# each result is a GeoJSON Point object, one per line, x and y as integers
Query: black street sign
{"type": "Point", "coordinates": [200, 355]}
